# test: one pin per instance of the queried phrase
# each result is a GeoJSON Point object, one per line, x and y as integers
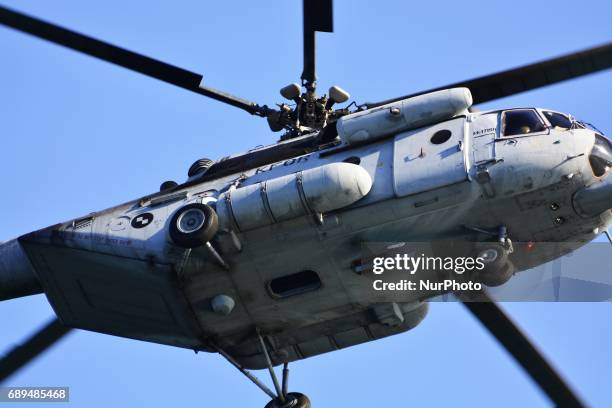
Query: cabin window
{"type": "Point", "coordinates": [558, 120]}
{"type": "Point", "coordinates": [441, 136]}
{"type": "Point", "coordinates": [294, 284]}
{"type": "Point", "coordinates": [522, 122]}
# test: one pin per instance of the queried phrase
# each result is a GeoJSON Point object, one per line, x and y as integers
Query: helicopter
{"type": "Point", "coordinates": [237, 211]}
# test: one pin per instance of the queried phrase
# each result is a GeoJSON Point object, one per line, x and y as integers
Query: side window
{"type": "Point", "coordinates": [295, 284]}
{"type": "Point", "coordinates": [522, 122]}
{"type": "Point", "coordinates": [558, 120]}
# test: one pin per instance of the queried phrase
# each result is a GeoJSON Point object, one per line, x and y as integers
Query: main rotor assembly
{"type": "Point", "coordinates": [309, 112]}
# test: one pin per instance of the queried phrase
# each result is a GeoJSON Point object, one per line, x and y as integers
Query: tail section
{"type": "Point", "coordinates": [17, 277]}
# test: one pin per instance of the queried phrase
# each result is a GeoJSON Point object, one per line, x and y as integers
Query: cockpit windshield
{"type": "Point", "coordinates": [563, 121]}
{"type": "Point", "coordinates": [558, 120]}
{"type": "Point", "coordinates": [587, 125]}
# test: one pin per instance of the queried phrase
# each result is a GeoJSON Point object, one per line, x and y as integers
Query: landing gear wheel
{"type": "Point", "coordinates": [497, 267]}
{"type": "Point", "coordinates": [292, 400]}
{"type": "Point", "coordinates": [494, 256]}
{"type": "Point", "coordinates": [499, 277]}
{"type": "Point", "coordinates": [193, 225]}
{"type": "Point", "coordinates": [281, 398]}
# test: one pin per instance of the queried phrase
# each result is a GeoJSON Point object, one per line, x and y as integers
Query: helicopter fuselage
{"type": "Point", "coordinates": [118, 272]}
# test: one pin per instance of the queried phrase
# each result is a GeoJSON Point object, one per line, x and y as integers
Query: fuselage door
{"type": "Point", "coordinates": [429, 158]}
{"type": "Point", "coordinates": [483, 129]}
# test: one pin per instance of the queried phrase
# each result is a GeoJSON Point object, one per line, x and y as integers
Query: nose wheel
{"type": "Point", "coordinates": [498, 268]}
{"type": "Point", "coordinates": [292, 400]}
{"type": "Point", "coordinates": [281, 398]}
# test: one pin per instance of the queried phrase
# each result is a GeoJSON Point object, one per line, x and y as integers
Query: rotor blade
{"type": "Point", "coordinates": [526, 354]}
{"type": "Point", "coordinates": [528, 77]}
{"type": "Point", "coordinates": [127, 59]}
{"type": "Point", "coordinates": [318, 16]}
{"type": "Point", "coordinates": [34, 346]}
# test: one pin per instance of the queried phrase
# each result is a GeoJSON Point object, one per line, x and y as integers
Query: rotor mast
{"type": "Point", "coordinates": [311, 112]}
{"type": "Point", "coordinates": [318, 16]}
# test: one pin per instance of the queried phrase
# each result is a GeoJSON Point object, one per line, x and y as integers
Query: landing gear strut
{"type": "Point", "coordinates": [280, 399]}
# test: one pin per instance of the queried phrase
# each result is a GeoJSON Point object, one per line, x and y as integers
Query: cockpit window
{"type": "Point", "coordinates": [587, 125]}
{"type": "Point", "coordinates": [522, 122]}
{"type": "Point", "coordinates": [558, 120]}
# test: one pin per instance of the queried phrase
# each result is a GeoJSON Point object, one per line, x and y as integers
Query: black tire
{"type": "Point", "coordinates": [499, 277]}
{"type": "Point", "coordinates": [193, 225]}
{"type": "Point", "coordinates": [494, 255]}
{"type": "Point", "coordinates": [294, 400]}
{"type": "Point", "coordinates": [497, 267]}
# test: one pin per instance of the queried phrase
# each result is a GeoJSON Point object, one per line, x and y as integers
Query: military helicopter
{"type": "Point", "coordinates": [192, 265]}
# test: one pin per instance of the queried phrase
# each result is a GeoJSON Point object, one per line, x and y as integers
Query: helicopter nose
{"type": "Point", "coordinates": [594, 199]}
{"type": "Point", "coordinates": [17, 277]}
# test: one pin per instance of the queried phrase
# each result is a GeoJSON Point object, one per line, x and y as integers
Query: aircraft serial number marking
{"type": "Point", "coordinates": [481, 132]}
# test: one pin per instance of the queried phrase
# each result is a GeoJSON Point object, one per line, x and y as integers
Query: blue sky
{"type": "Point", "coordinates": [79, 135]}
